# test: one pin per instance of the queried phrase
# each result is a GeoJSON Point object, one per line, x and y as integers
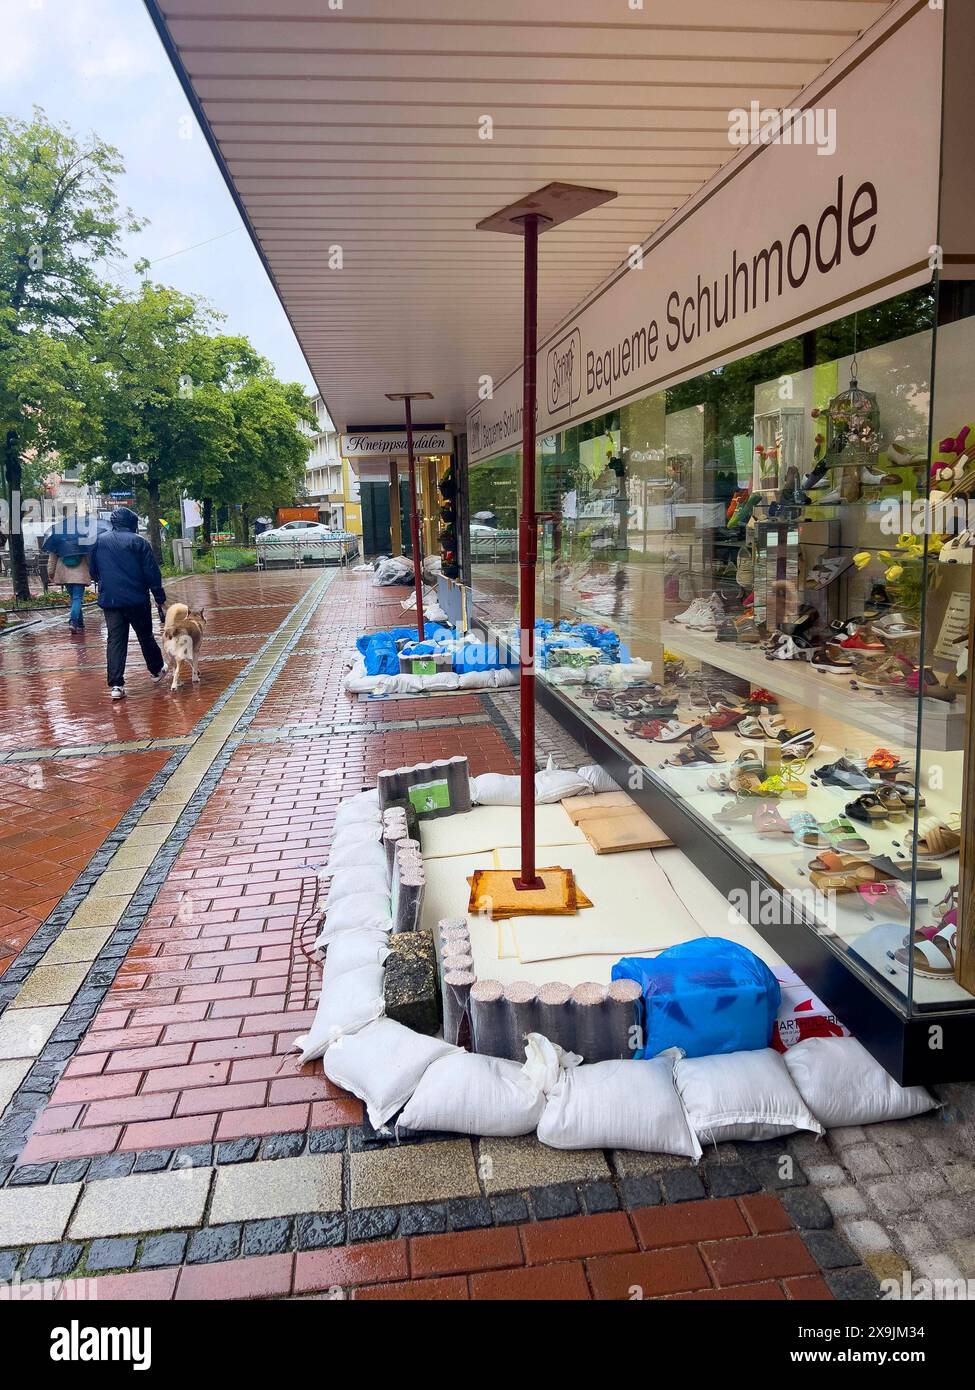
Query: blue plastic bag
{"type": "Point", "coordinates": [706, 996]}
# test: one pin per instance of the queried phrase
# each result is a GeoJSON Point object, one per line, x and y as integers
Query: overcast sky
{"type": "Point", "coordinates": [98, 66]}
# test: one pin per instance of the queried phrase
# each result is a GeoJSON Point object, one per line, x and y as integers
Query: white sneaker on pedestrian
{"type": "Point", "coordinates": [118, 692]}
{"type": "Point", "coordinates": [158, 676]}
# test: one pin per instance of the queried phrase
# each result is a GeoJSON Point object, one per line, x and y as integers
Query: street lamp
{"type": "Point", "coordinates": [536, 213]}
{"type": "Point", "coordinates": [408, 397]}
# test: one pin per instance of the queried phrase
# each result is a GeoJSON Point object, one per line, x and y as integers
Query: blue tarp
{"type": "Point", "coordinates": [705, 996]}
{"type": "Point", "coordinates": [380, 650]}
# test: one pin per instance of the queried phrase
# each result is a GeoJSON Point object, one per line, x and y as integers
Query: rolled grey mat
{"type": "Point", "coordinates": [488, 1015]}
{"type": "Point", "coordinates": [408, 888]}
{"type": "Point", "coordinates": [457, 1007]}
{"type": "Point", "coordinates": [459, 781]}
{"type": "Point", "coordinates": [585, 1006]}
{"type": "Point", "coordinates": [454, 938]}
{"type": "Point", "coordinates": [622, 1013]}
{"type": "Point", "coordinates": [458, 960]}
{"type": "Point", "coordinates": [521, 1002]}
{"type": "Point", "coordinates": [555, 1018]}
{"type": "Point", "coordinates": [389, 787]}
{"type": "Point", "coordinates": [392, 837]}
{"type": "Point", "coordinates": [446, 925]}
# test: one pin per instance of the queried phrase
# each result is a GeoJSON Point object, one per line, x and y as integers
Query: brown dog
{"type": "Point", "coordinates": [182, 639]}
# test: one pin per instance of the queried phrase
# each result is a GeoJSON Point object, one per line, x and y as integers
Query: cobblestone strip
{"type": "Point", "coordinates": [63, 974]}
{"type": "Point", "coordinates": [348, 1192]}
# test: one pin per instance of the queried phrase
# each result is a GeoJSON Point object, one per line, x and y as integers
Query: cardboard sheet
{"type": "Point", "coordinates": [495, 827]}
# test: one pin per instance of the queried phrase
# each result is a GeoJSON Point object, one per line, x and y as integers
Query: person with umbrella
{"type": "Point", "coordinates": [68, 546]}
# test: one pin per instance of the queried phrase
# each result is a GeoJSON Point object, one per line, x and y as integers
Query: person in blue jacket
{"type": "Point", "coordinates": [124, 568]}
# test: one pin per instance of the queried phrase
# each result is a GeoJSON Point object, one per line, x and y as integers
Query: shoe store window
{"type": "Point", "coordinates": [778, 640]}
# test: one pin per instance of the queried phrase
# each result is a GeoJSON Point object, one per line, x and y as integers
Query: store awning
{"type": "Point", "coordinates": [378, 134]}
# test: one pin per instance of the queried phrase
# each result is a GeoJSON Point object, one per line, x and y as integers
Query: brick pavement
{"type": "Point", "coordinates": [171, 1089]}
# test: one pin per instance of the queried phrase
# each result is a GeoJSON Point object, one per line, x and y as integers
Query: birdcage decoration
{"type": "Point", "coordinates": [853, 423]}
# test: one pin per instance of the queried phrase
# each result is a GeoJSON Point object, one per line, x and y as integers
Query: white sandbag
{"type": "Point", "coordinates": [555, 784]}
{"type": "Point", "coordinates": [475, 680]}
{"type": "Point", "coordinates": [364, 807]}
{"type": "Point", "coordinates": [843, 1085]}
{"type": "Point", "coordinates": [496, 789]}
{"type": "Point", "coordinates": [399, 685]}
{"type": "Point", "coordinates": [361, 832]}
{"type": "Point", "coordinates": [382, 1065]}
{"type": "Point", "coordinates": [354, 949]}
{"type": "Point", "coordinates": [545, 1061]}
{"type": "Point", "coordinates": [503, 676]}
{"type": "Point", "coordinates": [598, 779]}
{"type": "Point", "coordinates": [742, 1095]}
{"type": "Point", "coordinates": [347, 1003]}
{"type": "Point", "coordinates": [469, 1093]}
{"type": "Point", "coordinates": [441, 680]}
{"type": "Point", "coordinates": [618, 1105]}
{"type": "Point", "coordinates": [358, 912]}
{"type": "Point", "coordinates": [347, 882]}
{"type": "Point", "coordinates": [365, 854]}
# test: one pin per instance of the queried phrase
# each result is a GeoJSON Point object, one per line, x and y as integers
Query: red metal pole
{"type": "Point", "coordinates": [527, 556]}
{"type": "Point", "coordinates": [414, 522]}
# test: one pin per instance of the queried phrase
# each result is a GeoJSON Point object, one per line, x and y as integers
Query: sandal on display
{"type": "Point", "coordinates": [674, 731]}
{"type": "Point", "coordinates": [843, 835]}
{"type": "Point", "coordinates": [904, 870]}
{"type": "Point", "coordinates": [883, 759]}
{"type": "Point", "coordinates": [892, 802]}
{"type": "Point", "coordinates": [768, 820]}
{"type": "Point", "coordinates": [843, 773]}
{"type": "Point", "coordinates": [834, 662]}
{"type": "Point", "coordinates": [806, 830]}
{"type": "Point", "coordinates": [779, 784]}
{"type": "Point", "coordinates": [889, 896]}
{"type": "Point", "coordinates": [838, 882]}
{"type": "Point", "coordinates": [725, 719]}
{"type": "Point", "coordinates": [867, 808]}
{"type": "Point", "coordinates": [688, 755]}
{"type": "Point", "coordinates": [935, 839]}
{"type": "Point", "coordinates": [761, 699]}
{"type": "Point", "coordinates": [733, 813]}
{"type": "Point", "coordinates": [933, 957]}
{"type": "Point", "coordinates": [832, 861]}
{"type": "Point", "coordinates": [826, 569]}
{"type": "Point", "coordinates": [760, 726]}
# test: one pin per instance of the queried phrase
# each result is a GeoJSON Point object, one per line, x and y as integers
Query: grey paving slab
{"type": "Point", "coordinates": [509, 1164]}
{"type": "Point", "coordinates": [282, 1187]}
{"type": "Point", "coordinates": [143, 1202]}
{"type": "Point", "coordinates": [36, 1215]}
{"type": "Point", "coordinates": [413, 1173]}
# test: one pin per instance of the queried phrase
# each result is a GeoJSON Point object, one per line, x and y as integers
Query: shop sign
{"type": "Point", "coordinates": [392, 443]}
{"type": "Point", "coordinates": [790, 234]}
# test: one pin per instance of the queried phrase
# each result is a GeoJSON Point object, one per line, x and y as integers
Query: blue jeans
{"type": "Point", "coordinates": [77, 594]}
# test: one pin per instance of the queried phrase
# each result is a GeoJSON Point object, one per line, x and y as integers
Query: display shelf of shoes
{"type": "Point", "coordinates": [886, 717]}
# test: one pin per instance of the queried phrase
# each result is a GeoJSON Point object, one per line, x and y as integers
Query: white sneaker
{"type": "Point", "coordinates": [692, 612]}
{"type": "Point", "coordinates": [704, 620]}
{"type": "Point", "coordinates": [158, 676]}
{"type": "Point", "coordinates": [118, 692]}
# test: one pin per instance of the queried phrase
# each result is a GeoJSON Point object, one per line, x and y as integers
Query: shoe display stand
{"type": "Point", "coordinates": [885, 717]}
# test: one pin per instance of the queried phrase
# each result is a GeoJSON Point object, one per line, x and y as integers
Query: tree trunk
{"type": "Point", "coordinates": [12, 474]}
{"type": "Point", "coordinates": [207, 526]}
{"type": "Point", "coordinates": [245, 522]}
{"type": "Point", "coordinates": [155, 530]}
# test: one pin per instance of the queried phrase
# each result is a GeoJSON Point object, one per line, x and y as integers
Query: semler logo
{"type": "Point", "coordinates": [564, 372]}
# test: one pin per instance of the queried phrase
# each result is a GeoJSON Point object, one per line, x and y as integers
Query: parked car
{"type": "Point", "coordinates": [305, 540]}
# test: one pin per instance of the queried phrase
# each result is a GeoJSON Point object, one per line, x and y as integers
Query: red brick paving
{"type": "Point", "coordinates": [585, 1257]}
{"type": "Point", "coordinates": [194, 1037]}
{"type": "Point", "coordinates": [54, 815]}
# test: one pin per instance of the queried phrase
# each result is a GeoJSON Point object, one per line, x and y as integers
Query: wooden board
{"type": "Point", "coordinates": [579, 808]}
{"type": "Point", "coordinates": [615, 834]}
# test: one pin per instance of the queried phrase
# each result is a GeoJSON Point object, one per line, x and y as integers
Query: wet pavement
{"type": "Point", "coordinates": [157, 872]}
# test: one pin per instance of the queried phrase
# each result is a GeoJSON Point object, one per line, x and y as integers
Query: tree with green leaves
{"type": "Point", "coordinates": [202, 410]}
{"type": "Point", "coordinates": [60, 223]}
